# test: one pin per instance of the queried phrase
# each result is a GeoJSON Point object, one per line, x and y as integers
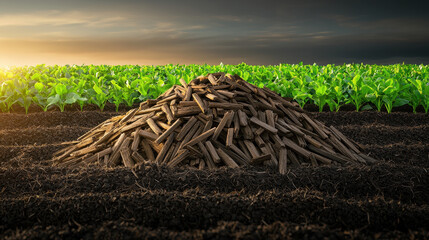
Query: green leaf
{"type": "Point", "coordinates": [61, 89]}
{"type": "Point", "coordinates": [366, 107]}
{"type": "Point", "coordinates": [400, 102]}
{"type": "Point", "coordinates": [97, 89]}
{"type": "Point", "coordinates": [53, 100]}
{"type": "Point", "coordinates": [39, 86]}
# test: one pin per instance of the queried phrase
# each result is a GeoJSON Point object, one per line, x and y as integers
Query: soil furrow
{"type": "Point", "coordinates": [41, 135]}
{"type": "Point", "coordinates": [401, 183]}
{"type": "Point", "coordinates": [52, 119]}
{"type": "Point", "coordinates": [182, 211]}
{"type": "Point", "coordinates": [127, 229]}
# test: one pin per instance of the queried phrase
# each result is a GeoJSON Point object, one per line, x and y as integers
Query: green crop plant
{"type": "Point", "coordinates": [334, 85]}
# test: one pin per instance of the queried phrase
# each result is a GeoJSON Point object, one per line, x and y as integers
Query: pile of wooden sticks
{"type": "Point", "coordinates": [213, 121]}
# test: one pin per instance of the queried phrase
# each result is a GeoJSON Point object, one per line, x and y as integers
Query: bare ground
{"type": "Point", "coordinates": [385, 200]}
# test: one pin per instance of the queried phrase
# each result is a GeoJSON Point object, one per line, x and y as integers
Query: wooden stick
{"type": "Point", "coordinates": [263, 125]}
{"type": "Point", "coordinates": [283, 161]}
{"type": "Point", "coordinates": [148, 135]}
{"type": "Point", "coordinates": [186, 128]}
{"type": "Point", "coordinates": [211, 165]}
{"type": "Point", "coordinates": [138, 158]}
{"type": "Point", "coordinates": [201, 137]}
{"type": "Point", "coordinates": [213, 153]}
{"type": "Point", "coordinates": [200, 102]}
{"type": "Point", "coordinates": [160, 158]}
{"type": "Point", "coordinates": [169, 131]}
{"type": "Point", "coordinates": [221, 125]}
{"type": "Point", "coordinates": [154, 127]}
{"type": "Point", "coordinates": [179, 158]}
{"type": "Point", "coordinates": [260, 159]}
{"type": "Point", "coordinates": [148, 150]}
{"type": "Point", "coordinates": [126, 158]}
{"type": "Point", "coordinates": [229, 137]}
{"type": "Point", "coordinates": [227, 159]}
{"type": "Point", "coordinates": [225, 105]}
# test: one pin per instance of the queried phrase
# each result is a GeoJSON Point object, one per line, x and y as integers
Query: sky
{"type": "Point", "coordinates": [197, 31]}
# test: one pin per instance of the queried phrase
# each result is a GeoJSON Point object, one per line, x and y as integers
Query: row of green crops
{"type": "Point", "coordinates": [364, 86]}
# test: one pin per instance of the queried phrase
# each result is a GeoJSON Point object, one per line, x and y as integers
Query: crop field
{"type": "Point", "coordinates": [363, 86]}
{"type": "Point", "coordinates": [383, 109]}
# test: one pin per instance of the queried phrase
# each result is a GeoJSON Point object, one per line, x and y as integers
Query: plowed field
{"type": "Point", "coordinates": [385, 200]}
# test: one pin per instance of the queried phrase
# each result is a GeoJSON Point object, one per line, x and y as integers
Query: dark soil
{"type": "Point", "coordinates": [385, 200]}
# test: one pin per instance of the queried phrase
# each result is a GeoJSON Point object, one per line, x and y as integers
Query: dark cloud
{"type": "Point", "coordinates": [191, 31]}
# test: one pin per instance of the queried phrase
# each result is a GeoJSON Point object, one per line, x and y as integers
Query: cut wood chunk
{"type": "Point", "coordinates": [126, 158]}
{"type": "Point", "coordinates": [283, 161]}
{"type": "Point", "coordinates": [227, 159]}
{"type": "Point", "coordinates": [169, 154]}
{"type": "Point", "coordinates": [259, 131]}
{"type": "Point", "coordinates": [166, 109]}
{"type": "Point", "coordinates": [169, 131]}
{"type": "Point", "coordinates": [225, 105]}
{"type": "Point", "coordinates": [136, 141]}
{"type": "Point", "coordinates": [208, 158]}
{"type": "Point", "coordinates": [212, 151]}
{"type": "Point", "coordinates": [252, 149]}
{"type": "Point", "coordinates": [259, 141]}
{"type": "Point", "coordinates": [240, 153]}
{"type": "Point", "coordinates": [201, 137]}
{"type": "Point", "coordinates": [260, 159]}
{"type": "Point", "coordinates": [227, 94]}
{"type": "Point", "coordinates": [114, 159]}
{"type": "Point", "coordinates": [188, 104]}
{"type": "Point", "coordinates": [294, 159]}
{"type": "Point", "coordinates": [316, 127]}
{"type": "Point", "coordinates": [212, 79]}
{"type": "Point", "coordinates": [312, 141]}
{"type": "Point", "coordinates": [290, 115]}
{"type": "Point", "coordinates": [230, 119]}
{"type": "Point", "coordinates": [263, 125]}
{"type": "Point", "coordinates": [183, 82]}
{"type": "Point", "coordinates": [277, 141]}
{"type": "Point", "coordinates": [290, 144]}
{"type": "Point", "coordinates": [167, 99]}
{"type": "Point", "coordinates": [138, 159]}
{"type": "Point", "coordinates": [84, 151]}
{"type": "Point", "coordinates": [160, 158]}
{"type": "Point", "coordinates": [179, 158]}
{"type": "Point", "coordinates": [242, 117]}
{"type": "Point", "coordinates": [187, 111]}
{"type": "Point", "coordinates": [148, 135]}
{"type": "Point", "coordinates": [212, 97]}
{"type": "Point", "coordinates": [345, 139]}
{"type": "Point", "coordinates": [153, 126]}
{"type": "Point", "coordinates": [200, 102]}
{"type": "Point", "coordinates": [188, 94]}
{"type": "Point", "coordinates": [340, 147]}
{"type": "Point", "coordinates": [229, 137]}
{"type": "Point", "coordinates": [236, 126]}
{"type": "Point", "coordinates": [301, 141]}
{"type": "Point", "coordinates": [129, 115]}
{"type": "Point", "coordinates": [97, 156]}
{"type": "Point", "coordinates": [148, 150]}
{"type": "Point", "coordinates": [208, 125]}
{"type": "Point", "coordinates": [186, 128]}
{"type": "Point", "coordinates": [221, 125]}
{"type": "Point", "coordinates": [270, 118]}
